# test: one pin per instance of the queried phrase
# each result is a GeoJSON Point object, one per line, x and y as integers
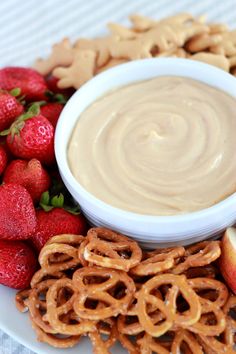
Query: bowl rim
{"type": "Point", "coordinates": [61, 155]}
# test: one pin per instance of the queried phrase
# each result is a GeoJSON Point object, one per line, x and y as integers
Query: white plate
{"type": "Point", "coordinates": [19, 48]}
{"type": "Point", "coordinates": [18, 326]}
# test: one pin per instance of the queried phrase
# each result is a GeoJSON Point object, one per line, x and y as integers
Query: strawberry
{"type": "Point", "coordinates": [3, 159]}
{"type": "Point", "coordinates": [10, 109]}
{"type": "Point", "coordinates": [3, 143]}
{"type": "Point", "coordinates": [29, 174]}
{"type": "Point", "coordinates": [33, 85]}
{"type": "Point", "coordinates": [52, 86]}
{"type": "Point", "coordinates": [55, 222]}
{"type": "Point", "coordinates": [17, 214]}
{"type": "Point", "coordinates": [18, 263]}
{"type": "Point", "coordinates": [32, 136]}
{"type": "Point", "coordinates": [52, 112]}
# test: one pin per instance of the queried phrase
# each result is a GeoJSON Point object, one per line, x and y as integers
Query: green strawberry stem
{"type": "Point", "coordinates": [56, 97]}
{"type": "Point", "coordinates": [57, 201]}
{"type": "Point", "coordinates": [15, 92]}
{"type": "Point", "coordinates": [18, 124]}
{"type": "Point", "coordinates": [60, 98]}
{"type": "Point", "coordinates": [40, 103]}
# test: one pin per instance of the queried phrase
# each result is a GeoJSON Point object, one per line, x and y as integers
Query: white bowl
{"type": "Point", "coordinates": [151, 231]}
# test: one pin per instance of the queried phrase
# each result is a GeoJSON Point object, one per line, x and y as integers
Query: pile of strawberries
{"type": "Point", "coordinates": [33, 207]}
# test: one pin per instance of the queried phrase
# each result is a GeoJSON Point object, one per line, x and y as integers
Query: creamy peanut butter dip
{"type": "Point", "coordinates": [164, 146]}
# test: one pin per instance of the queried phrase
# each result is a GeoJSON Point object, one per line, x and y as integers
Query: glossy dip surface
{"type": "Point", "coordinates": [164, 146]}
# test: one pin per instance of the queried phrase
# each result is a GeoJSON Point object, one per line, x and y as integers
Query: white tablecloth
{"type": "Point", "coordinates": [28, 29]}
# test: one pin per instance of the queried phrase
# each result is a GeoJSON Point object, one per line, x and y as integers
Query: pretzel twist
{"type": "Point", "coordinates": [158, 261]}
{"type": "Point", "coordinates": [110, 279]}
{"type": "Point", "coordinates": [199, 255]}
{"type": "Point", "coordinates": [168, 309]}
{"type": "Point", "coordinates": [106, 248]}
{"type": "Point", "coordinates": [54, 311]}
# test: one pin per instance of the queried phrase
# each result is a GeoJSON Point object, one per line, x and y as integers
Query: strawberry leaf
{"type": "Point", "coordinates": [56, 97]}
{"type": "Point", "coordinates": [45, 201]}
{"type": "Point", "coordinates": [46, 207]}
{"type": "Point", "coordinates": [45, 198]}
{"type": "Point", "coordinates": [57, 201]}
{"type": "Point", "coordinates": [15, 92]}
{"type": "Point", "coordinates": [60, 98]}
{"type": "Point", "coordinates": [73, 210]}
{"type": "Point", "coordinates": [34, 109]}
{"type": "Point", "coordinates": [5, 132]}
{"type": "Point", "coordinates": [39, 103]}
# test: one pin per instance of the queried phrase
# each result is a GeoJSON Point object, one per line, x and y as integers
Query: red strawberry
{"type": "Point", "coordinates": [10, 109]}
{"type": "Point", "coordinates": [17, 214]}
{"type": "Point", "coordinates": [17, 264]}
{"type": "Point", "coordinates": [55, 222]}
{"type": "Point", "coordinates": [29, 174]}
{"type": "Point", "coordinates": [33, 85]}
{"type": "Point", "coordinates": [32, 136]}
{"type": "Point", "coordinates": [52, 86]}
{"type": "Point", "coordinates": [52, 112]}
{"type": "Point", "coordinates": [3, 159]}
{"type": "Point", "coordinates": [3, 143]}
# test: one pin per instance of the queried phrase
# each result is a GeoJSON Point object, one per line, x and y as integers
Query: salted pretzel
{"type": "Point", "coordinates": [115, 303]}
{"type": "Point", "coordinates": [42, 275]}
{"type": "Point", "coordinates": [230, 330]}
{"type": "Point", "coordinates": [198, 255]}
{"type": "Point", "coordinates": [158, 261]}
{"type": "Point", "coordinates": [109, 249]}
{"type": "Point", "coordinates": [101, 346]}
{"type": "Point", "coordinates": [69, 260]}
{"type": "Point", "coordinates": [168, 309]}
{"type": "Point", "coordinates": [184, 336]}
{"type": "Point", "coordinates": [131, 343]}
{"type": "Point", "coordinates": [147, 310]}
{"type": "Point", "coordinates": [37, 305]}
{"type": "Point", "coordinates": [54, 311]}
{"type": "Point", "coordinates": [190, 316]}
{"type": "Point", "coordinates": [53, 339]}
{"type": "Point", "coordinates": [21, 300]}
{"type": "Point", "coordinates": [211, 345]}
{"type": "Point", "coordinates": [64, 239]}
{"type": "Point", "coordinates": [212, 321]}
{"type": "Point", "coordinates": [129, 323]}
{"type": "Point", "coordinates": [208, 271]}
{"type": "Point", "coordinates": [149, 345]}
{"type": "Point", "coordinates": [68, 239]}
{"type": "Point", "coordinates": [213, 287]}
{"type": "Point", "coordinates": [108, 327]}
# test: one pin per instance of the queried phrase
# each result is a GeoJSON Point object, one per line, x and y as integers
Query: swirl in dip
{"type": "Point", "coordinates": [164, 146]}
